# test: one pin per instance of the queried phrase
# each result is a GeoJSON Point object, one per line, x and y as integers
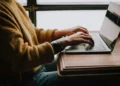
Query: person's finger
{"type": "Point", "coordinates": [77, 41]}
{"type": "Point", "coordinates": [85, 34]}
{"type": "Point", "coordinates": [91, 42]}
{"type": "Point", "coordinates": [83, 30]}
{"type": "Point", "coordinates": [82, 40]}
{"type": "Point", "coordinates": [89, 39]}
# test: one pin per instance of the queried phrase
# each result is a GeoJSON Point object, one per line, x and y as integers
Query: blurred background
{"type": "Point", "coordinates": [61, 14]}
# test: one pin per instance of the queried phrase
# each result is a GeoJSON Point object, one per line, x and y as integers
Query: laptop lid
{"type": "Point", "coordinates": [110, 28]}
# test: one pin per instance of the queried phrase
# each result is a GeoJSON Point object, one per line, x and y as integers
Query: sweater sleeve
{"type": "Point", "coordinates": [44, 36]}
{"type": "Point", "coordinates": [18, 53]}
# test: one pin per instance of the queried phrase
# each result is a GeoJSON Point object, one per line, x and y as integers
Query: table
{"type": "Point", "coordinates": [107, 78]}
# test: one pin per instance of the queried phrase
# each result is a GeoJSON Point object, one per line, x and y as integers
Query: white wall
{"type": "Point", "coordinates": [91, 19]}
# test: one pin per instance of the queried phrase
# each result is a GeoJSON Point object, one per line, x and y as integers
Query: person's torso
{"type": "Point", "coordinates": [23, 24]}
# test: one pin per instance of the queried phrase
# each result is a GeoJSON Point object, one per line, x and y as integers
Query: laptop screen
{"type": "Point", "coordinates": [111, 25]}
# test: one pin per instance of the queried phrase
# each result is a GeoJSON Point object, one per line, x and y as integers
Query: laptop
{"type": "Point", "coordinates": [106, 38]}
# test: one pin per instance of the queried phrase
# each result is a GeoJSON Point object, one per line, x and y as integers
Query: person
{"type": "Point", "coordinates": [26, 51]}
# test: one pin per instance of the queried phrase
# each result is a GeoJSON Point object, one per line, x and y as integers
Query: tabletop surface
{"type": "Point", "coordinates": [86, 60]}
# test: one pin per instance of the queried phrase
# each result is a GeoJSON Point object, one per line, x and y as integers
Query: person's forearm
{"type": "Point", "coordinates": [59, 34]}
{"type": "Point", "coordinates": [69, 31]}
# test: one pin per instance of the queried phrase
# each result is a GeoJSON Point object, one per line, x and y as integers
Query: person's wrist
{"type": "Point", "coordinates": [63, 42]}
{"type": "Point", "coordinates": [59, 33]}
{"type": "Point", "coordinates": [59, 44]}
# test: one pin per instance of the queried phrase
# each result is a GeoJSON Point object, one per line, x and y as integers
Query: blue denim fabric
{"type": "Point", "coordinates": [44, 78]}
{"type": "Point", "coordinates": [47, 76]}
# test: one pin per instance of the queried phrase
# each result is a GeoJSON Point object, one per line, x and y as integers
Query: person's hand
{"type": "Point", "coordinates": [75, 39]}
{"type": "Point", "coordinates": [79, 38]}
{"type": "Point", "coordinates": [76, 29]}
{"type": "Point", "coordinates": [69, 31]}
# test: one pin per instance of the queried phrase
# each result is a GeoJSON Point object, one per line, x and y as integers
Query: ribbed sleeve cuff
{"type": "Point", "coordinates": [46, 52]}
{"type": "Point", "coordinates": [50, 34]}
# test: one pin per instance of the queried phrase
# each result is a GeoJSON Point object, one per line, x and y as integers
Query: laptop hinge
{"type": "Point", "coordinates": [109, 43]}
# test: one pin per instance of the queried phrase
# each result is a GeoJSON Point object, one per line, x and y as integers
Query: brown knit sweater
{"type": "Point", "coordinates": [23, 47]}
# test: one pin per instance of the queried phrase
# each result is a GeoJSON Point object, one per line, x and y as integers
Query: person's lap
{"type": "Point", "coordinates": [47, 76]}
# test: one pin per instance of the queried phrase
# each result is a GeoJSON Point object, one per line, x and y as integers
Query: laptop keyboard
{"type": "Point", "coordinates": [98, 44]}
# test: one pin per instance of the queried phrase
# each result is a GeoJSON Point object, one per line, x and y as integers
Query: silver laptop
{"type": "Point", "coordinates": [106, 38]}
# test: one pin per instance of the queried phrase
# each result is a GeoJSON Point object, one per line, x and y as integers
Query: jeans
{"type": "Point", "coordinates": [47, 76]}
